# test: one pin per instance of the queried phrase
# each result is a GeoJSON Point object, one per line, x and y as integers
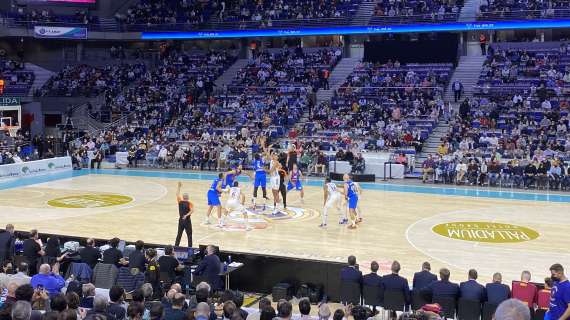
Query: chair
{"type": "Point", "coordinates": [448, 305]}
{"type": "Point", "coordinates": [488, 310]}
{"type": "Point", "coordinates": [468, 309]}
{"type": "Point", "coordinates": [105, 275]}
{"type": "Point", "coordinates": [350, 292]}
{"type": "Point", "coordinates": [394, 300]}
{"type": "Point", "coordinates": [539, 314]}
{"type": "Point", "coordinates": [130, 279]}
{"type": "Point", "coordinates": [418, 300]}
{"type": "Point", "coordinates": [166, 280]}
{"type": "Point", "coordinates": [372, 295]}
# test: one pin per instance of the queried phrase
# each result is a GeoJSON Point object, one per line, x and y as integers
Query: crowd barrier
{"type": "Point", "coordinates": [34, 168]}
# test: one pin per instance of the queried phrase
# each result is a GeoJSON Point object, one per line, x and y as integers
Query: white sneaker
{"type": "Point", "coordinates": [207, 221]}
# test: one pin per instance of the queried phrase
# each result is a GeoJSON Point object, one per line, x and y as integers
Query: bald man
{"type": "Point", "coordinates": [512, 309]}
{"type": "Point", "coordinates": [49, 280]}
{"type": "Point", "coordinates": [210, 268]}
{"type": "Point", "coordinates": [185, 210]}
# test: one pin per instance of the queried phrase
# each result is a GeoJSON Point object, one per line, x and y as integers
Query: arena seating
{"type": "Point", "coordinates": [30, 18]}
{"type": "Point", "coordinates": [89, 81]}
{"type": "Point", "coordinates": [416, 12]}
{"type": "Point", "coordinates": [177, 14]}
{"type": "Point", "coordinates": [17, 80]}
{"type": "Point", "coordinates": [395, 106]}
{"type": "Point", "coordinates": [520, 10]}
{"type": "Point", "coordinates": [167, 15]}
{"type": "Point", "coordinates": [517, 121]}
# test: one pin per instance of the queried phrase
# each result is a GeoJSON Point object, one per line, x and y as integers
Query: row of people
{"type": "Point", "coordinates": [553, 295]}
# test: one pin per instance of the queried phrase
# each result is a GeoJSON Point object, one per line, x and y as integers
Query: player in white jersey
{"type": "Point", "coordinates": [274, 168]}
{"type": "Point", "coordinates": [236, 202]}
{"type": "Point", "coordinates": [332, 198]}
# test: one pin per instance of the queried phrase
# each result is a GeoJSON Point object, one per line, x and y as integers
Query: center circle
{"type": "Point", "coordinates": [90, 201]}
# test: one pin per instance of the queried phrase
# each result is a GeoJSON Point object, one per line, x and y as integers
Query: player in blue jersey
{"type": "Point", "coordinates": [351, 196]}
{"type": "Point", "coordinates": [295, 181]}
{"type": "Point", "coordinates": [214, 199]}
{"type": "Point", "coordinates": [260, 176]}
{"type": "Point", "coordinates": [231, 176]}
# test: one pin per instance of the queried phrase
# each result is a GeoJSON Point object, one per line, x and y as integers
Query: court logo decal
{"type": "Point", "coordinates": [261, 217]}
{"type": "Point", "coordinates": [481, 231]}
{"type": "Point", "coordinates": [90, 201]}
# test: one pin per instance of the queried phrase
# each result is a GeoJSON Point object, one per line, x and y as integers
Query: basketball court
{"type": "Point", "coordinates": [489, 229]}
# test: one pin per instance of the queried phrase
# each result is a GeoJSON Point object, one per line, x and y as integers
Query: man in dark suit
{"type": "Point", "coordinates": [350, 273]}
{"type": "Point", "coordinates": [137, 258]}
{"type": "Point", "coordinates": [372, 279]}
{"type": "Point", "coordinates": [33, 251]}
{"type": "Point", "coordinates": [497, 292]}
{"type": "Point", "coordinates": [471, 289]}
{"type": "Point", "coordinates": [90, 255]}
{"type": "Point", "coordinates": [7, 243]}
{"type": "Point", "coordinates": [443, 287]}
{"type": "Point", "coordinates": [210, 268]}
{"type": "Point", "coordinates": [113, 255]}
{"type": "Point", "coordinates": [423, 278]}
{"type": "Point", "coordinates": [393, 282]}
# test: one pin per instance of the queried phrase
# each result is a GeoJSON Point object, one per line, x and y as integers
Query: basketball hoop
{"type": "Point", "coordinates": [13, 131]}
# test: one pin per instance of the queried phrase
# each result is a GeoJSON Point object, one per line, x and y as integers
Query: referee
{"type": "Point", "coordinates": [185, 210]}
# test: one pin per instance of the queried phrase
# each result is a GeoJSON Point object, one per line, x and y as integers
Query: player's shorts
{"type": "Point", "coordinates": [334, 199]}
{"type": "Point", "coordinates": [213, 198]}
{"type": "Point", "coordinates": [260, 179]}
{"type": "Point", "coordinates": [234, 205]}
{"type": "Point", "coordinates": [297, 186]}
{"type": "Point", "coordinates": [352, 202]}
{"type": "Point", "coordinates": [275, 183]}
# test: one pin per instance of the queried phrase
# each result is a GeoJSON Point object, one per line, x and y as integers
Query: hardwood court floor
{"type": "Point", "coordinates": [397, 224]}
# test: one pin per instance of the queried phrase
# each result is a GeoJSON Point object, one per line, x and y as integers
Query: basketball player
{"type": "Point", "coordinates": [236, 202]}
{"type": "Point", "coordinates": [332, 199]}
{"type": "Point", "coordinates": [358, 211]}
{"type": "Point", "coordinates": [214, 199]}
{"type": "Point", "coordinates": [231, 176]}
{"type": "Point", "coordinates": [283, 178]}
{"type": "Point", "coordinates": [295, 181]}
{"type": "Point", "coordinates": [260, 178]}
{"type": "Point", "coordinates": [274, 179]}
{"type": "Point", "coordinates": [351, 196]}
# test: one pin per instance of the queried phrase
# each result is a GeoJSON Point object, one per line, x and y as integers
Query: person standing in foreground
{"type": "Point", "coordinates": [7, 243]}
{"type": "Point", "coordinates": [185, 210]}
{"type": "Point", "coordinates": [560, 295]}
{"type": "Point", "coordinates": [351, 196]}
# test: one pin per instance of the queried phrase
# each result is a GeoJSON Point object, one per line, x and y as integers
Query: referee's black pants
{"type": "Point", "coordinates": [184, 226]}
